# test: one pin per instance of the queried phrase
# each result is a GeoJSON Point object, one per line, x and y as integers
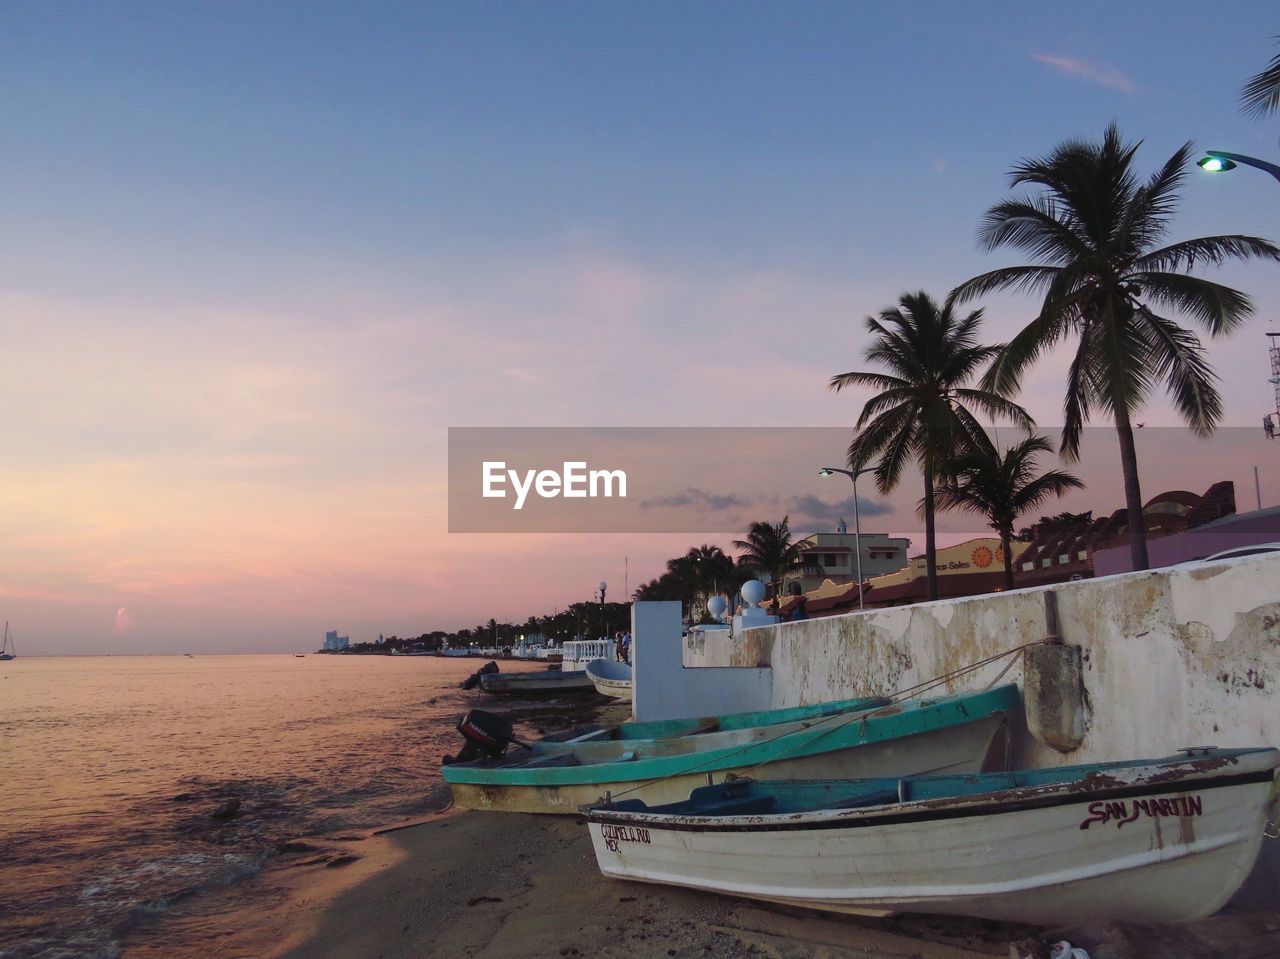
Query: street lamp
{"type": "Point", "coordinates": [604, 628]}
{"type": "Point", "coordinates": [1219, 161]}
{"type": "Point", "coordinates": [857, 525]}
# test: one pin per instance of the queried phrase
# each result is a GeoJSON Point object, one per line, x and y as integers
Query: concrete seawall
{"type": "Point", "coordinates": [1152, 662]}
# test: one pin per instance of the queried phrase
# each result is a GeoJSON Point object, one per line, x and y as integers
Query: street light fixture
{"type": "Point", "coordinates": [1219, 161]}
{"type": "Point", "coordinates": [604, 627]}
{"type": "Point", "coordinates": [857, 525]}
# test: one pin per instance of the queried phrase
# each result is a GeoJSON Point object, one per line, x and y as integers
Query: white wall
{"type": "Point", "coordinates": [1174, 657]}
{"type": "Point", "coordinates": [662, 688]}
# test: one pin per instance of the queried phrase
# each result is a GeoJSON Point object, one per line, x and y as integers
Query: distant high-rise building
{"type": "Point", "coordinates": [333, 643]}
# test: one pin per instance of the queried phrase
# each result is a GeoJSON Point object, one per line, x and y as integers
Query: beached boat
{"type": "Point", "coordinates": [543, 683]}
{"type": "Point", "coordinates": [1144, 841]}
{"type": "Point", "coordinates": [611, 678]}
{"type": "Point", "coordinates": [946, 734]}
{"type": "Point", "coordinates": [666, 728]}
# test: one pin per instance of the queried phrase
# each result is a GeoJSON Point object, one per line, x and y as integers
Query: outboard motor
{"type": "Point", "coordinates": [472, 681]}
{"type": "Point", "coordinates": [487, 737]}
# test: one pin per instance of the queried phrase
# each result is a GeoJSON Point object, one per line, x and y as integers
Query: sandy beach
{"type": "Point", "coordinates": [502, 886]}
{"type": "Point", "coordinates": [506, 886]}
{"type": "Point", "coordinates": [510, 886]}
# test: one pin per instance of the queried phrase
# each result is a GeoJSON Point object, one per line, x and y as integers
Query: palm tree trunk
{"type": "Point", "coordinates": [1006, 547]}
{"type": "Point", "coordinates": [930, 545]}
{"type": "Point", "coordinates": [1132, 491]}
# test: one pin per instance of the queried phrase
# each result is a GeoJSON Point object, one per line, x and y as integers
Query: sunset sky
{"type": "Point", "coordinates": [257, 258]}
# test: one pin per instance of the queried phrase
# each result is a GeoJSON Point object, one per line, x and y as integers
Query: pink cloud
{"type": "Point", "coordinates": [1094, 73]}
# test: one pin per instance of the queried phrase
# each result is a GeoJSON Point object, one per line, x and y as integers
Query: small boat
{"type": "Point", "coordinates": [8, 650]}
{"type": "Point", "coordinates": [611, 678]}
{"type": "Point", "coordinates": [947, 734]}
{"type": "Point", "coordinates": [472, 681]}
{"type": "Point", "coordinates": [542, 683]}
{"type": "Point", "coordinates": [668, 728]}
{"type": "Point", "coordinates": [1146, 841]}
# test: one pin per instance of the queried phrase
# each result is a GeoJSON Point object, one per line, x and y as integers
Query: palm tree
{"type": "Point", "coordinates": [768, 549]}
{"type": "Point", "coordinates": [1261, 95]}
{"type": "Point", "coordinates": [709, 570]}
{"type": "Point", "coordinates": [922, 412]}
{"type": "Point", "coordinates": [1003, 486]}
{"type": "Point", "coordinates": [1093, 231]}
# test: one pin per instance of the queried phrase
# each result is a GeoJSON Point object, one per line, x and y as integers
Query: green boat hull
{"type": "Point", "coordinates": [949, 734]}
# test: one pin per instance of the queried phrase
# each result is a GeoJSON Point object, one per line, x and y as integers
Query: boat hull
{"type": "Point", "coordinates": [610, 679]}
{"type": "Point", "coordinates": [1166, 852]}
{"type": "Point", "coordinates": [952, 749]}
{"type": "Point", "coordinates": [536, 684]}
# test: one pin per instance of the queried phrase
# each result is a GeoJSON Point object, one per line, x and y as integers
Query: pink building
{"type": "Point", "coordinates": [1239, 529]}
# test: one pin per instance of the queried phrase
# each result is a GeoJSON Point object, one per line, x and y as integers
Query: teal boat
{"type": "Point", "coordinates": [666, 728]}
{"type": "Point", "coordinates": [662, 763]}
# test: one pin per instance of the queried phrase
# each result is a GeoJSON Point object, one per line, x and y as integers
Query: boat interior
{"type": "Point", "coordinates": [746, 797]}
{"type": "Point", "coordinates": [661, 729]}
{"type": "Point", "coordinates": [704, 739]}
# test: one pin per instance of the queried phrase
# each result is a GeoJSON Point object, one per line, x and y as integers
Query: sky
{"type": "Point", "coordinates": [257, 258]}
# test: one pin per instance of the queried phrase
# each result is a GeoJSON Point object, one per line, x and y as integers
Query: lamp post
{"type": "Point", "coordinates": [1219, 161]}
{"type": "Point", "coordinates": [857, 525]}
{"type": "Point", "coordinates": [604, 629]}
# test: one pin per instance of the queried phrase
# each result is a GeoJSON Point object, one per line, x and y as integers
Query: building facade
{"type": "Point", "coordinates": [832, 558]}
{"type": "Point", "coordinates": [1066, 548]}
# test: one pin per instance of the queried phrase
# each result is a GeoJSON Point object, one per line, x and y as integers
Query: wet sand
{"type": "Point", "coordinates": [502, 886]}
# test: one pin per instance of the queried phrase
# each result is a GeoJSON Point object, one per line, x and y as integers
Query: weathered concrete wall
{"type": "Point", "coordinates": [1176, 657]}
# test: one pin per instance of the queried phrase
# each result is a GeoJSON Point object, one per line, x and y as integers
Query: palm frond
{"type": "Point", "coordinates": [1178, 359]}
{"type": "Point", "coordinates": [1261, 94]}
{"type": "Point", "coordinates": [1034, 225]}
{"type": "Point", "coordinates": [996, 406]}
{"type": "Point", "coordinates": [1219, 309]}
{"type": "Point", "coordinates": [1147, 217]}
{"type": "Point", "coordinates": [1004, 376]}
{"type": "Point", "coordinates": [1211, 250]}
{"type": "Point", "coordinates": [1016, 279]}
{"type": "Point", "coordinates": [1078, 402]}
{"type": "Point", "coordinates": [874, 380]}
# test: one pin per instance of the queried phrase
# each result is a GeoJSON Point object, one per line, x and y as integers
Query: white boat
{"type": "Point", "coordinates": [7, 649]}
{"type": "Point", "coordinates": [1145, 841]}
{"type": "Point", "coordinates": [611, 678]}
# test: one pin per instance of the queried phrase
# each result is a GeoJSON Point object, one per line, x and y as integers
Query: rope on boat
{"type": "Point", "coordinates": [895, 698]}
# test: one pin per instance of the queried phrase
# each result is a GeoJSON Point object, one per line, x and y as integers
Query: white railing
{"type": "Point", "coordinates": [577, 653]}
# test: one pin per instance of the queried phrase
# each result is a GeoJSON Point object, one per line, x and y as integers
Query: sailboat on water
{"type": "Point", "coordinates": [7, 649]}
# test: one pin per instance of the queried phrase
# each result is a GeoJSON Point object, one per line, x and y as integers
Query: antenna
{"type": "Point", "coordinates": [1271, 422]}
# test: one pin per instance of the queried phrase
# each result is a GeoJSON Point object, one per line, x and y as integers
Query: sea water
{"type": "Point", "coordinates": [111, 769]}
